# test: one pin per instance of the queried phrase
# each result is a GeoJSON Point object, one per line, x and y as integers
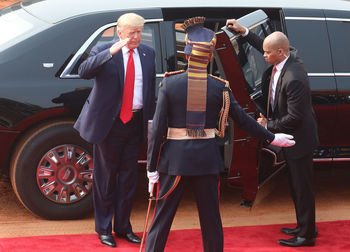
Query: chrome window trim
{"type": "Point", "coordinates": [306, 18]}
{"type": "Point", "coordinates": [160, 75]}
{"type": "Point", "coordinates": [331, 159]}
{"type": "Point", "coordinates": [319, 19]}
{"type": "Point", "coordinates": [328, 74]}
{"type": "Point", "coordinates": [320, 74]}
{"type": "Point", "coordinates": [65, 73]}
{"type": "Point", "coordinates": [342, 74]}
{"type": "Point", "coordinates": [341, 159]}
{"type": "Point", "coordinates": [323, 159]}
{"type": "Point", "coordinates": [338, 19]}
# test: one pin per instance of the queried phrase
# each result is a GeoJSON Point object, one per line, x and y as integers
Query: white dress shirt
{"type": "Point", "coordinates": [279, 67]}
{"type": "Point", "coordinates": [137, 101]}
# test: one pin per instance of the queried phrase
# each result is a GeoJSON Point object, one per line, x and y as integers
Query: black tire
{"type": "Point", "coordinates": [51, 172]}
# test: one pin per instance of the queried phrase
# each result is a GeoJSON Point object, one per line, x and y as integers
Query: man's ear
{"type": "Point", "coordinates": [118, 32]}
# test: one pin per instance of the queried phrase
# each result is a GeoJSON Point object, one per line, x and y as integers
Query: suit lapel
{"type": "Point", "coordinates": [143, 59]}
{"type": "Point", "coordinates": [280, 78]}
{"type": "Point", "coordinates": [265, 88]}
{"type": "Point", "coordinates": [278, 88]}
{"type": "Point", "coordinates": [120, 63]}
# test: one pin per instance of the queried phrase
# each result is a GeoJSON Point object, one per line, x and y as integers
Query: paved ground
{"type": "Point", "coordinates": [332, 203]}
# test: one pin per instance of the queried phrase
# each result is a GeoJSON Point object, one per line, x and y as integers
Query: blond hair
{"type": "Point", "coordinates": [130, 19]}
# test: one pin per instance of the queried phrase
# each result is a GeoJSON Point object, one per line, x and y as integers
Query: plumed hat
{"type": "Point", "coordinates": [196, 32]}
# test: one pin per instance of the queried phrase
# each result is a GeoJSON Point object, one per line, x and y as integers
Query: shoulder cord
{"type": "Point", "coordinates": [220, 132]}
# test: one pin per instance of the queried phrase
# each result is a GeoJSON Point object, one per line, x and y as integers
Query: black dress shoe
{"type": "Point", "coordinates": [290, 231]}
{"type": "Point", "coordinates": [297, 242]}
{"type": "Point", "coordinates": [107, 240]}
{"type": "Point", "coordinates": [130, 237]}
{"type": "Point", "coordinates": [295, 231]}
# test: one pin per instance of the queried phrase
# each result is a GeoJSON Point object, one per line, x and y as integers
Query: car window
{"type": "Point", "coordinates": [108, 33]}
{"type": "Point", "coordinates": [251, 60]}
{"type": "Point", "coordinates": [301, 34]}
{"type": "Point", "coordinates": [180, 46]}
{"type": "Point", "coordinates": [339, 35]}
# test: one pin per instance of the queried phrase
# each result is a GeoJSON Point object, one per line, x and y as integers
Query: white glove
{"type": "Point", "coordinates": [153, 178]}
{"type": "Point", "coordinates": [283, 140]}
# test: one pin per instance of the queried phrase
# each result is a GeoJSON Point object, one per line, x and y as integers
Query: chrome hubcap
{"type": "Point", "coordinates": [64, 174]}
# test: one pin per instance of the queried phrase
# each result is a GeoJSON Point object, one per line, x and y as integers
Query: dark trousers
{"type": "Point", "coordinates": [115, 176]}
{"type": "Point", "coordinates": [205, 189]}
{"type": "Point", "coordinates": [301, 186]}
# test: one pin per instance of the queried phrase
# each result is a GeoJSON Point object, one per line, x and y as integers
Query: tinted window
{"type": "Point", "coordinates": [310, 38]}
{"type": "Point", "coordinates": [339, 35]}
{"type": "Point", "coordinates": [251, 60]}
{"type": "Point", "coordinates": [180, 46]}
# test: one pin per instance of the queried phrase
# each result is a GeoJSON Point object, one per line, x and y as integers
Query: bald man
{"type": "Point", "coordinates": [286, 92]}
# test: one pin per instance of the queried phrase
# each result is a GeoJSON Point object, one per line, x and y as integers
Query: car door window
{"type": "Point", "coordinates": [108, 33]}
{"type": "Point", "coordinates": [180, 46]}
{"type": "Point", "coordinates": [251, 60]}
{"type": "Point", "coordinates": [339, 35]}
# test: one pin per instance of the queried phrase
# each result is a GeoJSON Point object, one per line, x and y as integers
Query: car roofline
{"type": "Point", "coordinates": [65, 9]}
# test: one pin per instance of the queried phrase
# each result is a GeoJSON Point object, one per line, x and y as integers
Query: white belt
{"type": "Point", "coordinates": [181, 134]}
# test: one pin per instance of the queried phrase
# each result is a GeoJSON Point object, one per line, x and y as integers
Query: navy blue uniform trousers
{"type": "Point", "coordinates": [205, 188]}
{"type": "Point", "coordinates": [115, 175]}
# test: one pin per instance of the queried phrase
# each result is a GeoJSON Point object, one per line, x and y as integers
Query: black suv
{"type": "Point", "coordinates": [43, 42]}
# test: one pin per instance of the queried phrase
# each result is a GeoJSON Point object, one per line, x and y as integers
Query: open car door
{"type": "Point", "coordinates": [248, 163]}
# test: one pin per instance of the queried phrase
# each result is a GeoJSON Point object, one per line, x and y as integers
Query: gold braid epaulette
{"type": "Point", "coordinates": [173, 73]}
{"type": "Point", "coordinates": [227, 83]}
{"type": "Point", "coordinates": [223, 115]}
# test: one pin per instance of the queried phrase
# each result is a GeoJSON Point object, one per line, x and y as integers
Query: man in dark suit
{"type": "Point", "coordinates": [114, 118]}
{"type": "Point", "coordinates": [286, 91]}
{"type": "Point", "coordinates": [188, 108]}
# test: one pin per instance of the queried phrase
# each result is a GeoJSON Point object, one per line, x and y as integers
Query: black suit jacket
{"type": "Point", "coordinates": [104, 102]}
{"type": "Point", "coordinates": [192, 157]}
{"type": "Point", "coordinates": [293, 113]}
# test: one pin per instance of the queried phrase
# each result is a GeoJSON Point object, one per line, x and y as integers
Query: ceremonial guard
{"type": "Point", "coordinates": [189, 105]}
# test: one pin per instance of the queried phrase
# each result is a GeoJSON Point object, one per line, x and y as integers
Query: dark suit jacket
{"type": "Point", "coordinates": [293, 113]}
{"type": "Point", "coordinates": [192, 157]}
{"type": "Point", "coordinates": [103, 105]}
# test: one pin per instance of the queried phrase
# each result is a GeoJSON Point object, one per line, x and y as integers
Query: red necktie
{"type": "Point", "coordinates": [270, 98]}
{"type": "Point", "coordinates": [128, 94]}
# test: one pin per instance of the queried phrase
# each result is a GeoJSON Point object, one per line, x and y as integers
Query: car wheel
{"type": "Point", "coordinates": [51, 172]}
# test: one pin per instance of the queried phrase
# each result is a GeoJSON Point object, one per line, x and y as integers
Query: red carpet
{"type": "Point", "coordinates": [333, 236]}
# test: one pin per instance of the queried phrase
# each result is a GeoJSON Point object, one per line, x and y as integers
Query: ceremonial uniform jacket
{"type": "Point", "coordinates": [195, 156]}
